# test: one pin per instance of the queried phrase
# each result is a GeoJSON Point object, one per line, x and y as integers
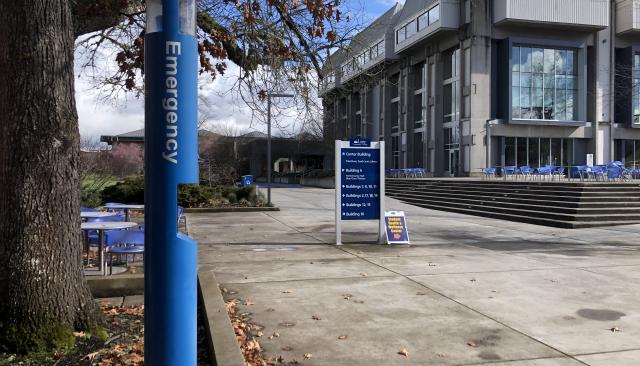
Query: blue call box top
{"type": "Point", "coordinates": [360, 142]}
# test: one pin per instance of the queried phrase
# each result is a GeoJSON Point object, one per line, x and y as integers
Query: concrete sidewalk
{"type": "Point", "coordinates": [468, 291]}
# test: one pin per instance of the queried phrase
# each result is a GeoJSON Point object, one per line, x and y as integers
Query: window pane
{"type": "Point", "coordinates": [423, 21]}
{"type": "Point", "coordinates": [548, 104]}
{"type": "Point", "coordinates": [544, 151]}
{"type": "Point", "coordinates": [510, 151]}
{"type": "Point", "coordinates": [549, 61]}
{"type": "Point", "coordinates": [411, 29]}
{"type": "Point", "coordinates": [537, 60]}
{"type": "Point", "coordinates": [536, 103]}
{"type": "Point", "coordinates": [515, 79]}
{"type": "Point", "coordinates": [536, 80]}
{"type": "Point", "coordinates": [534, 158]}
{"type": "Point", "coordinates": [525, 79]}
{"type": "Point", "coordinates": [567, 152]}
{"type": "Point", "coordinates": [571, 65]}
{"type": "Point", "coordinates": [561, 58]}
{"type": "Point", "coordinates": [556, 152]}
{"type": "Point", "coordinates": [515, 102]}
{"type": "Point", "coordinates": [560, 84]}
{"type": "Point", "coordinates": [515, 59]}
{"type": "Point", "coordinates": [549, 81]}
{"type": "Point", "coordinates": [434, 14]}
{"type": "Point", "coordinates": [571, 82]}
{"type": "Point", "coordinates": [570, 111]}
{"type": "Point", "coordinates": [521, 149]}
{"type": "Point", "coordinates": [560, 105]}
{"type": "Point", "coordinates": [525, 59]}
{"type": "Point", "coordinates": [525, 102]}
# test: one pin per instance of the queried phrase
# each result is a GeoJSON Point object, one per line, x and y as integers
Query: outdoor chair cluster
{"type": "Point", "coordinates": [406, 173]}
{"type": "Point", "coordinates": [118, 243]}
{"type": "Point", "coordinates": [613, 171]}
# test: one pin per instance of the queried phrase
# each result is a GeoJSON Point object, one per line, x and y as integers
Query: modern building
{"type": "Point", "coordinates": [454, 86]}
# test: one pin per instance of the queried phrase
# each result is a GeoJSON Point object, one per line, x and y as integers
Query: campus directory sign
{"type": "Point", "coordinates": [359, 183]}
{"type": "Point", "coordinates": [171, 158]}
{"type": "Point", "coordinates": [396, 227]}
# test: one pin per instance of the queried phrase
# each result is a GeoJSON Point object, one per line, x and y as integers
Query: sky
{"type": "Point", "coordinates": [101, 115]}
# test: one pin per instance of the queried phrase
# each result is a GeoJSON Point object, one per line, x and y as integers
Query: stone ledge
{"type": "Point", "coordinates": [230, 209]}
{"type": "Point", "coordinates": [118, 285]}
{"type": "Point", "coordinates": [223, 345]}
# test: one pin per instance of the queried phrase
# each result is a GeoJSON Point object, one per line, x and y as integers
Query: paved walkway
{"type": "Point", "coordinates": [468, 291]}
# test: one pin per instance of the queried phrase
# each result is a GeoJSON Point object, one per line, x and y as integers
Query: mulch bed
{"type": "Point", "coordinates": [124, 346]}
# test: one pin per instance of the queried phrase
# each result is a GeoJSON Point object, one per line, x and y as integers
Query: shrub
{"type": "Point", "coordinates": [195, 196]}
{"type": "Point", "coordinates": [130, 190]}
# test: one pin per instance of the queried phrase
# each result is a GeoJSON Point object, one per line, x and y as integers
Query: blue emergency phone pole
{"type": "Point", "coordinates": [171, 158]}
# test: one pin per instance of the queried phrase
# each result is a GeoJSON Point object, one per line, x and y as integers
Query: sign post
{"type": "Point", "coordinates": [171, 158]}
{"type": "Point", "coordinates": [359, 170]}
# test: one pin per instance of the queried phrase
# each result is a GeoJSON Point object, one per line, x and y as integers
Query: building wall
{"type": "Point", "coordinates": [485, 37]}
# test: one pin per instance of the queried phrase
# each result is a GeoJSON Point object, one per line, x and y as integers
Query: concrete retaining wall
{"type": "Point", "coordinates": [325, 182]}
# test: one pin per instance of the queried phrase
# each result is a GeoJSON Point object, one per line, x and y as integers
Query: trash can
{"type": "Point", "coordinates": [247, 180]}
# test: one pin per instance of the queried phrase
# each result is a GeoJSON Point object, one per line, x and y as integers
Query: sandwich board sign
{"type": "Point", "coordinates": [396, 227]}
{"type": "Point", "coordinates": [359, 183]}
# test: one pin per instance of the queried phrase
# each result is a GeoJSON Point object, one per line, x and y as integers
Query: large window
{"type": "Point", "coordinates": [544, 83]}
{"type": "Point", "coordinates": [428, 17]}
{"type": "Point", "coordinates": [450, 85]}
{"type": "Point", "coordinates": [536, 152]}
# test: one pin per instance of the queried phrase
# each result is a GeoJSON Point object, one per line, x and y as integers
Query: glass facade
{"type": "Point", "coordinates": [628, 151]}
{"type": "Point", "coordinates": [544, 84]}
{"type": "Point", "coordinates": [538, 151]}
{"type": "Point", "coordinates": [418, 24]}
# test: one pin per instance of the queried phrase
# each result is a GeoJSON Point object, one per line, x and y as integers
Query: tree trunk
{"type": "Point", "coordinates": [43, 291]}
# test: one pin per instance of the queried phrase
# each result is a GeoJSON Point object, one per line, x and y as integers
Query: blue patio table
{"type": "Point", "coordinates": [126, 209]}
{"type": "Point", "coordinates": [101, 227]}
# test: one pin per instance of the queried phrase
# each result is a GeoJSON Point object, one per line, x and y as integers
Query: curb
{"type": "Point", "coordinates": [223, 344]}
{"type": "Point", "coordinates": [113, 286]}
{"type": "Point", "coordinates": [229, 209]}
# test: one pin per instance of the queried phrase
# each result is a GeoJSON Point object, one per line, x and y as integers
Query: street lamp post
{"type": "Point", "coordinates": [269, 96]}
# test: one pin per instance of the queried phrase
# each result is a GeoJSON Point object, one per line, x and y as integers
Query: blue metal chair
{"type": "Point", "coordinates": [509, 171]}
{"type": "Point", "coordinates": [183, 218]}
{"type": "Point", "coordinates": [489, 173]}
{"type": "Point", "coordinates": [123, 242]}
{"type": "Point", "coordinates": [558, 172]}
{"type": "Point", "coordinates": [525, 171]}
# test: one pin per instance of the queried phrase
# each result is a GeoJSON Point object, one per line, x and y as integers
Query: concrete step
{"type": "Point", "coordinates": [605, 191]}
{"type": "Point", "coordinates": [538, 205]}
{"type": "Point", "coordinates": [559, 196]}
{"type": "Point", "coordinates": [528, 219]}
{"type": "Point", "coordinates": [529, 211]}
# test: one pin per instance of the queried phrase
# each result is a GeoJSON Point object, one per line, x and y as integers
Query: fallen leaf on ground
{"type": "Point", "coordinates": [287, 348]}
{"type": "Point", "coordinates": [441, 354]}
{"type": "Point", "coordinates": [363, 274]}
{"type": "Point", "coordinates": [472, 344]}
{"type": "Point", "coordinates": [315, 317]}
{"type": "Point", "coordinates": [420, 293]}
{"type": "Point", "coordinates": [615, 329]}
{"type": "Point", "coordinates": [473, 280]}
{"type": "Point", "coordinates": [90, 356]}
{"type": "Point", "coordinates": [342, 337]}
{"type": "Point", "coordinates": [307, 356]}
{"type": "Point", "coordinates": [287, 291]}
{"type": "Point", "coordinates": [404, 352]}
{"type": "Point", "coordinates": [275, 334]}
